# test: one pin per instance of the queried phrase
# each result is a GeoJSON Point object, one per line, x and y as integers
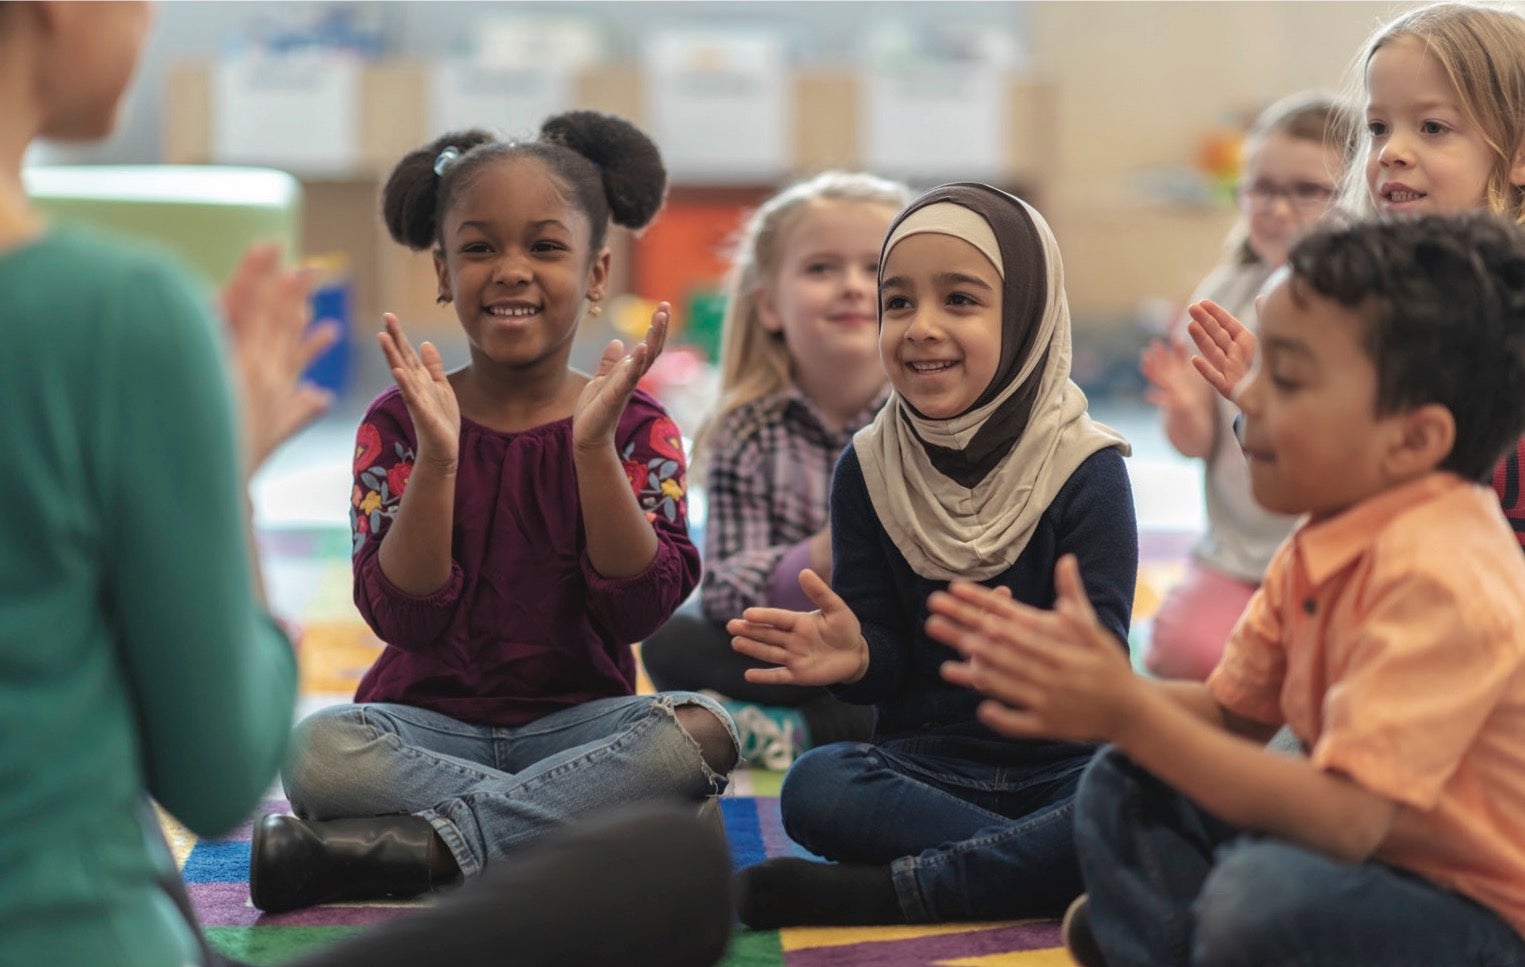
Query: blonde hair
{"type": "Point", "coordinates": [753, 361]}
{"type": "Point", "coordinates": [1315, 116]}
{"type": "Point", "coordinates": [1482, 51]}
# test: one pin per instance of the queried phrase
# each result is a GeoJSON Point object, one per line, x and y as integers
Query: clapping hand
{"type": "Point", "coordinates": [1058, 674]}
{"type": "Point", "coordinates": [1227, 348]}
{"type": "Point", "coordinates": [597, 410]}
{"type": "Point", "coordinates": [821, 647]}
{"type": "Point", "coordinates": [426, 390]}
{"type": "Point", "coordinates": [1173, 381]}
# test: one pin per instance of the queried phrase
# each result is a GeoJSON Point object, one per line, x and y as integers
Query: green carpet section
{"type": "Point", "coordinates": [765, 782]}
{"type": "Point", "coordinates": [275, 945]}
{"type": "Point", "coordinates": [751, 948]}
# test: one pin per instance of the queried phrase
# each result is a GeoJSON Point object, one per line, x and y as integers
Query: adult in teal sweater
{"type": "Point", "coordinates": [137, 657]}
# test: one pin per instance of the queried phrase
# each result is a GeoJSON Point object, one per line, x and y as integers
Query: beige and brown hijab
{"type": "Point", "coordinates": [960, 497]}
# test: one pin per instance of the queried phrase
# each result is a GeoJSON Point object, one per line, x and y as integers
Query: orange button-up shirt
{"type": "Point", "coordinates": [1391, 638]}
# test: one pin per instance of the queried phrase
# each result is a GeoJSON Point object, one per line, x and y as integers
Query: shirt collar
{"type": "Point", "coordinates": [1328, 546]}
{"type": "Point", "coordinates": [797, 396]}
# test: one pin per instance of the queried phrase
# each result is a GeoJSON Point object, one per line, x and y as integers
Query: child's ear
{"type": "Point", "coordinates": [598, 274]}
{"type": "Point", "coordinates": [1426, 435]}
{"type": "Point", "coordinates": [1517, 170]}
{"type": "Point", "coordinates": [767, 311]}
{"type": "Point", "coordinates": [442, 275]}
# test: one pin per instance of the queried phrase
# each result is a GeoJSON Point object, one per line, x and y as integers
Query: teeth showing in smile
{"type": "Point", "coordinates": [513, 311]}
{"type": "Point", "coordinates": [1398, 197]}
{"type": "Point", "coordinates": [935, 367]}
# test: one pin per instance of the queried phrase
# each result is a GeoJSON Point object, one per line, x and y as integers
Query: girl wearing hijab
{"type": "Point", "coordinates": [983, 466]}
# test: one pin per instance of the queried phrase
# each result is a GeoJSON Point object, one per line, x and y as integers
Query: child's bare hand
{"type": "Point", "coordinates": [821, 647]}
{"type": "Point", "coordinates": [1174, 385]}
{"type": "Point", "coordinates": [266, 310]}
{"type": "Point", "coordinates": [1227, 348]}
{"type": "Point", "coordinates": [1054, 673]}
{"type": "Point", "coordinates": [598, 408]}
{"type": "Point", "coordinates": [426, 390]}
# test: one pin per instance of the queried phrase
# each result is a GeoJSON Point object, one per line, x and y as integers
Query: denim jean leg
{"type": "Point", "coordinates": [1021, 867]}
{"type": "Point", "coordinates": [607, 753]}
{"type": "Point", "coordinates": [964, 839]}
{"type": "Point", "coordinates": [1144, 852]}
{"type": "Point", "coordinates": [365, 760]}
{"type": "Point", "coordinates": [377, 759]}
{"type": "Point", "coordinates": [855, 802]}
{"type": "Point", "coordinates": [1268, 902]}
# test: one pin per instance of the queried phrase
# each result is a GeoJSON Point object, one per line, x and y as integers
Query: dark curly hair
{"type": "Point", "coordinates": [610, 169]}
{"type": "Point", "coordinates": [1443, 301]}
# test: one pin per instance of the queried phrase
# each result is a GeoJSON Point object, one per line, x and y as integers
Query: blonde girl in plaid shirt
{"type": "Point", "coordinates": [800, 374]}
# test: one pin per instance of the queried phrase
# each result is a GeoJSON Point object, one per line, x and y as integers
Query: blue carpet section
{"type": "Point", "coordinates": [212, 862]}
{"type": "Point", "coordinates": [742, 830]}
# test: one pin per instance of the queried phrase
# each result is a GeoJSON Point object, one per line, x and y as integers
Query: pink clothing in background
{"type": "Point", "coordinates": [1194, 621]}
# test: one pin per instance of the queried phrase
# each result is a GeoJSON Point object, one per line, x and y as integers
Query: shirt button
{"type": "Point", "coordinates": [1308, 606]}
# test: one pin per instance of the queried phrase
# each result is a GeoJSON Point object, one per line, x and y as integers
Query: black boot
{"type": "Point", "coordinates": [299, 863]}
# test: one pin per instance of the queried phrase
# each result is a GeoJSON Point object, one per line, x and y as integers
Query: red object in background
{"type": "Point", "coordinates": [688, 247]}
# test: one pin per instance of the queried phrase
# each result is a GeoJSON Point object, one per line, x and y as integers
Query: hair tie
{"type": "Point", "coordinates": [446, 159]}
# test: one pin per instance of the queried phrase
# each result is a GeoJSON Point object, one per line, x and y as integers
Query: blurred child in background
{"type": "Point", "coordinates": [800, 374]}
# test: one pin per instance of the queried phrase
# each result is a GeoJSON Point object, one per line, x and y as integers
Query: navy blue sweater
{"type": "Point", "coordinates": [1091, 517]}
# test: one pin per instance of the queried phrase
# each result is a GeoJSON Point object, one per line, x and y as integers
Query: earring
{"type": "Point", "coordinates": [441, 299]}
{"type": "Point", "coordinates": [595, 310]}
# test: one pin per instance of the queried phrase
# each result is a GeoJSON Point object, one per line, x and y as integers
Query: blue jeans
{"type": "Point", "coordinates": [1170, 884]}
{"type": "Point", "coordinates": [964, 839]}
{"type": "Point", "coordinates": [489, 790]}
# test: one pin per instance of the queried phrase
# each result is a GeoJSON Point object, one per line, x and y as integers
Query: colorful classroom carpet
{"type": "Point", "coordinates": [308, 573]}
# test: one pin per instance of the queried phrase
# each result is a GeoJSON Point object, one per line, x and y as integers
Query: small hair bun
{"type": "Point", "coordinates": [411, 196]}
{"type": "Point", "coordinates": [635, 180]}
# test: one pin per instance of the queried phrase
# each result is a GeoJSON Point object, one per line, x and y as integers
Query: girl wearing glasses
{"type": "Point", "coordinates": [1292, 167]}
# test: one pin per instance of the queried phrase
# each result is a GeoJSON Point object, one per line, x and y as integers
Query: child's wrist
{"type": "Point", "coordinates": [857, 676]}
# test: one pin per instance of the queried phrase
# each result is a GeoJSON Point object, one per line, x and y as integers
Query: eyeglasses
{"type": "Point", "coordinates": [1303, 196]}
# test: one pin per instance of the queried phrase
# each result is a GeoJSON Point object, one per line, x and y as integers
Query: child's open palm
{"type": "Point", "coordinates": [821, 647]}
{"type": "Point", "coordinates": [598, 408]}
{"type": "Point", "coordinates": [1227, 347]}
{"type": "Point", "coordinates": [1174, 384]}
{"type": "Point", "coordinates": [426, 390]}
{"type": "Point", "coordinates": [1057, 673]}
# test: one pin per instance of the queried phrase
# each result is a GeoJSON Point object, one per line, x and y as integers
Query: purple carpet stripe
{"type": "Point", "coordinates": [928, 951]}
{"type": "Point", "coordinates": [227, 905]}
{"type": "Point", "coordinates": [741, 831]}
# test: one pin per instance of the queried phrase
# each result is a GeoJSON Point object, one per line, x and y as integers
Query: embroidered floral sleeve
{"type": "Point", "coordinates": [383, 462]}
{"type": "Point", "coordinates": [656, 473]}
{"type": "Point", "coordinates": [652, 455]}
{"type": "Point", "coordinates": [378, 488]}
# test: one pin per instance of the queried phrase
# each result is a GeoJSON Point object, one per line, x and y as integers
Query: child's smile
{"type": "Point", "coordinates": [515, 249]}
{"type": "Point", "coordinates": [1311, 432]}
{"type": "Point", "coordinates": [940, 338]}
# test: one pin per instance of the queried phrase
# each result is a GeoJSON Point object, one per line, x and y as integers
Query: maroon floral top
{"type": "Point", "coordinates": [524, 626]}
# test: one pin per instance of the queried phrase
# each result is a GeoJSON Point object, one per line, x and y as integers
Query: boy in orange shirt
{"type": "Point", "coordinates": [1389, 635]}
